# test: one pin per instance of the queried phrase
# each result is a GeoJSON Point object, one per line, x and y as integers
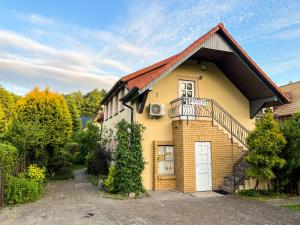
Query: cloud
{"type": "Point", "coordinates": [49, 51]}
{"type": "Point", "coordinates": [64, 80]}
{"type": "Point", "coordinates": [33, 18]}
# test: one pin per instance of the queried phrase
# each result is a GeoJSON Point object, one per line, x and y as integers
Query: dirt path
{"type": "Point", "coordinates": [76, 202]}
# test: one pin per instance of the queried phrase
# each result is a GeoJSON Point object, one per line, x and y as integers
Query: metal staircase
{"type": "Point", "coordinates": [185, 108]}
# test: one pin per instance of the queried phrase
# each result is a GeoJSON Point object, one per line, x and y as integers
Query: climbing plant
{"type": "Point", "coordinates": [129, 158]}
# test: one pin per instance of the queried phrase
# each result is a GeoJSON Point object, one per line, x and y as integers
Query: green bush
{"type": "Point", "coordinates": [72, 147]}
{"type": "Point", "coordinates": [129, 158]}
{"type": "Point", "coordinates": [88, 140]}
{"type": "Point", "coordinates": [36, 173]}
{"type": "Point", "coordinates": [109, 182]}
{"type": "Point", "coordinates": [98, 161]}
{"type": "Point", "coordinates": [18, 190]}
{"type": "Point", "coordinates": [8, 158]}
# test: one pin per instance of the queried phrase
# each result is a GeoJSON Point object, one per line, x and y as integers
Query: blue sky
{"type": "Point", "coordinates": [81, 45]}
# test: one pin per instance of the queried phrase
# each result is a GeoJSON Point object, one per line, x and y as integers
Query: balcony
{"type": "Point", "coordinates": [186, 108]}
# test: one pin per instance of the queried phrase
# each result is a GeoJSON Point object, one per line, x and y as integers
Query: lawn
{"type": "Point", "coordinates": [262, 195]}
{"type": "Point", "coordinates": [293, 207]}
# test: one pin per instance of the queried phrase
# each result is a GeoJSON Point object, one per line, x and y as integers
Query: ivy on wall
{"type": "Point", "coordinates": [129, 158]}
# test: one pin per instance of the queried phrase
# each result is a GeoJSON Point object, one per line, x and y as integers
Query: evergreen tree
{"type": "Point", "coordinates": [76, 122]}
{"type": "Point", "coordinates": [48, 112]}
{"type": "Point", "coordinates": [265, 143]}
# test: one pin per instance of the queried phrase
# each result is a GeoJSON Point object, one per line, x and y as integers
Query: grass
{"type": "Point", "coordinates": [74, 167]}
{"type": "Point", "coordinates": [262, 195]}
{"type": "Point", "coordinates": [295, 207]}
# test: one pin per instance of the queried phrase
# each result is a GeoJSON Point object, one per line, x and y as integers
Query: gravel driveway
{"type": "Point", "coordinates": [76, 202]}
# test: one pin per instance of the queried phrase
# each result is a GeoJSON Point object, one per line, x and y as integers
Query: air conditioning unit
{"type": "Point", "coordinates": [156, 109]}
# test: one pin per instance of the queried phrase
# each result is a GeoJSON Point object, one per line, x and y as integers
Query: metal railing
{"type": "Point", "coordinates": [193, 108]}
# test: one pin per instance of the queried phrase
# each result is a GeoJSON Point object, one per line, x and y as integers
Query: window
{"type": "Point", "coordinates": [165, 160]}
{"type": "Point", "coordinates": [186, 88]}
{"type": "Point", "coordinates": [121, 95]}
{"type": "Point", "coordinates": [105, 112]}
{"type": "Point", "coordinates": [110, 109]}
{"type": "Point", "coordinates": [115, 104]}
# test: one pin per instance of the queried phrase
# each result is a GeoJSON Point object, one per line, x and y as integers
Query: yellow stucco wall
{"type": "Point", "coordinates": [214, 84]}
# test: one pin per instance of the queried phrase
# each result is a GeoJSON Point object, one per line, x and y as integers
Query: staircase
{"type": "Point", "coordinates": [193, 108]}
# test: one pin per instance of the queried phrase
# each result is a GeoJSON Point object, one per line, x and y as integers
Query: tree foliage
{"type": "Point", "coordinates": [75, 115]}
{"type": "Point", "coordinates": [8, 158]}
{"type": "Point", "coordinates": [289, 174]}
{"type": "Point", "coordinates": [129, 158]}
{"type": "Point", "coordinates": [48, 112]}
{"type": "Point", "coordinates": [8, 105]}
{"type": "Point", "coordinates": [89, 103]}
{"type": "Point", "coordinates": [88, 140]}
{"type": "Point", "coordinates": [265, 143]}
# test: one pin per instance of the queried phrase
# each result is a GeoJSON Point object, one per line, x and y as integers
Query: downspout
{"type": "Point", "coordinates": [131, 111]}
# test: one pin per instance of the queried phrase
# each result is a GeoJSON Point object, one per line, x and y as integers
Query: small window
{"type": "Point", "coordinates": [121, 95]}
{"type": "Point", "coordinates": [166, 160]}
{"type": "Point", "coordinates": [115, 102]}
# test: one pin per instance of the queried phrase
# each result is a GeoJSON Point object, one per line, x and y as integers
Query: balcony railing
{"type": "Point", "coordinates": [194, 108]}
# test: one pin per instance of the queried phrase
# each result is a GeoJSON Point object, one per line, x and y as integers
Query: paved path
{"type": "Point", "coordinates": [76, 202]}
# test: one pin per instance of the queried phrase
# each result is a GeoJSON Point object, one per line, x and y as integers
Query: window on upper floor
{"type": "Point", "coordinates": [110, 109]}
{"type": "Point", "coordinates": [115, 104]}
{"type": "Point", "coordinates": [121, 95]}
{"type": "Point", "coordinates": [105, 112]}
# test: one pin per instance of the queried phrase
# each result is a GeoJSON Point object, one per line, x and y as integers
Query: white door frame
{"type": "Point", "coordinates": [206, 185]}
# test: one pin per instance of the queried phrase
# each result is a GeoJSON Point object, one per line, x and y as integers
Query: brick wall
{"type": "Point", "coordinates": [224, 153]}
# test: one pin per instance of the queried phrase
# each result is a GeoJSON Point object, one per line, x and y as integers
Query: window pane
{"type": "Point", "coordinates": [189, 86]}
{"type": "Point", "coordinates": [189, 94]}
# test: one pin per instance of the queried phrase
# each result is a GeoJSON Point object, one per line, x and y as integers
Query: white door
{"type": "Point", "coordinates": [186, 90]}
{"type": "Point", "coordinates": [203, 166]}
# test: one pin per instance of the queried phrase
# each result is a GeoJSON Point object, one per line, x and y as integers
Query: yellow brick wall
{"type": "Point", "coordinates": [161, 182]}
{"type": "Point", "coordinates": [224, 153]}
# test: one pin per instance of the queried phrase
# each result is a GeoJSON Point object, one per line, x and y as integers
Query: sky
{"type": "Point", "coordinates": [81, 45]}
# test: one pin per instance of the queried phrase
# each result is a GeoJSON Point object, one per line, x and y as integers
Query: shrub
{"type": "Point", "coordinates": [20, 190]}
{"type": "Point", "coordinates": [49, 110]}
{"type": "Point", "coordinates": [8, 158]}
{"type": "Point", "coordinates": [72, 147]}
{"type": "Point", "coordinates": [88, 140]}
{"type": "Point", "coordinates": [129, 158]}
{"type": "Point", "coordinates": [265, 143]}
{"type": "Point", "coordinates": [36, 173]}
{"type": "Point", "coordinates": [98, 161]}
{"type": "Point", "coordinates": [109, 182]}
{"type": "Point", "coordinates": [60, 160]}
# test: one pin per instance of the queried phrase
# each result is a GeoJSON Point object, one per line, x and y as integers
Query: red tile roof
{"type": "Point", "coordinates": [141, 78]}
{"type": "Point", "coordinates": [293, 91]}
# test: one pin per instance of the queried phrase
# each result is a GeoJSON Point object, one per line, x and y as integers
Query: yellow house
{"type": "Point", "coordinates": [197, 108]}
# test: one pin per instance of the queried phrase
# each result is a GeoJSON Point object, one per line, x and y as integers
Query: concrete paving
{"type": "Point", "coordinates": [77, 202]}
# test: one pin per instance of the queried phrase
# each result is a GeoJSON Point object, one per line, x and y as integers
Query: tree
{"type": "Point", "coordinates": [75, 115]}
{"type": "Point", "coordinates": [2, 119]}
{"type": "Point", "coordinates": [289, 174]}
{"type": "Point", "coordinates": [49, 110]}
{"type": "Point", "coordinates": [8, 103]}
{"type": "Point", "coordinates": [91, 103]}
{"type": "Point", "coordinates": [28, 137]}
{"type": "Point", "coordinates": [88, 140]}
{"type": "Point", "coordinates": [129, 158]}
{"type": "Point", "coordinates": [265, 143]}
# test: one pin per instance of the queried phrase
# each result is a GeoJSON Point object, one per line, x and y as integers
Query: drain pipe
{"type": "Point", "coordinates": [131, 111]}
